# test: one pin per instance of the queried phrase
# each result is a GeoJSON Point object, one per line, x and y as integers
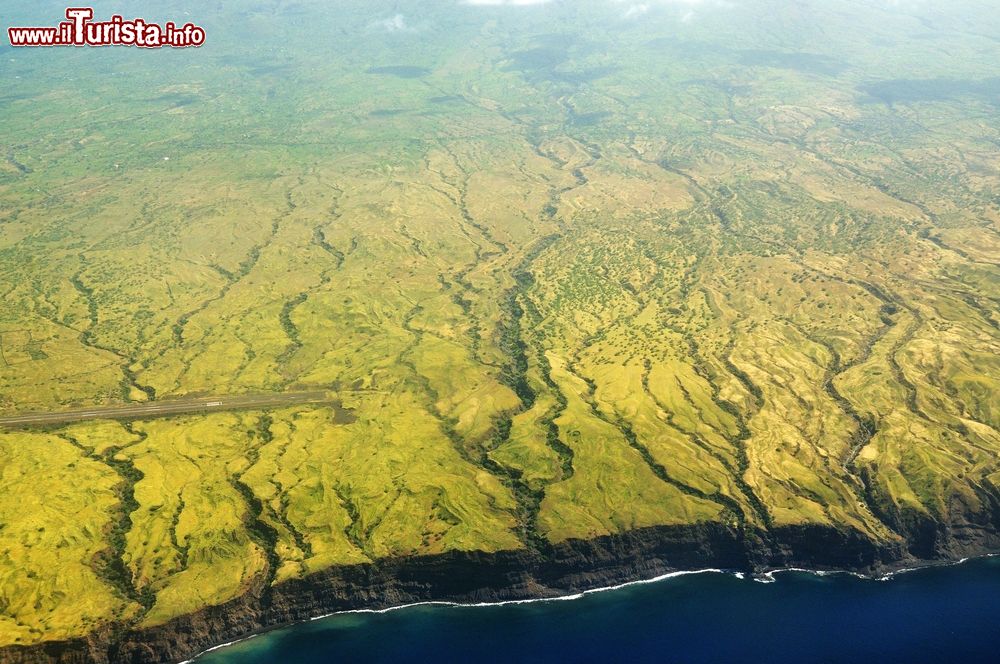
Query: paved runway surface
{"type": "Point", "coordinates": [164, 408]}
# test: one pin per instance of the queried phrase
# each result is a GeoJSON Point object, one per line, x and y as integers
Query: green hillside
{"type": "Point", "coordinates": [571, 269]}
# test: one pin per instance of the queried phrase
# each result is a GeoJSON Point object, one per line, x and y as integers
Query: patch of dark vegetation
{"type": "Point", "coordinates": [226, 274]}
{"type": "Point", "coordinates": [806, 63]}
{"type": "Point", "coordinates": [246, 266]}
{"type": "Point", "coordinates": [87, 338]}
{"type": "Point", "coordinates": [175, 99]}
{"type": "Point", "coordinates": [109, 563]}
{"type": "Point", "coordinates": [726, 87]}
{"type": "Point", "coordinates": [250, 261]}
{"type": "Point", "coordinates": [555, 63]}
{"type": "Point", "coordinates": [589, 119]}
{"type": "Point", "coordinates": [906, 91]}
{"type": "Point", "coordinates": [528, 497]}
{"type": "Point", "coordinates": [319, 239]}
{"type": "Point", "coordinates": [353, 531]}
{"type": "Point", "coordinates": [743, 377]}
{"type": "Point", "coordinates": [35, 351]}
{"type": "Point", "coordinates": [415, 243]}
{"type": "Point", "coordinates": [585, 75]}
{"type": "Point", "coordinates": [514, 375]}
{"type": "Point", "coordinates": [464, 304]}
{"type": "Point", "coordinates": [7, 99]}
{"type": "Point", "coordinates": [256, 68]}
{"type": "Point", "coordinates": [511, 341]}
{"type": "Point", "coordinates": [133, 380]}
{"type": "Point", "coordinates": [534, 60]}
{"type": "Point", "coordinates": [261, 532]}
{"type": "Point", "coordinates": [288, 327]}
{"type": "Point", "coordinates": [263, 430]}
{"type": "Point", "coordinates": [674, 44]}
{"type": "Point", "coordinates": [25, 170]}
{"type": "Point", "coordinates": [400, 71]}
{"type": "Point", "coordinates": [270, 70]}
{"type": "Point", "coordinates": [865, 424]}
{"type": "Point", "coordinates": [511, 333]}
{"type": "Point", "coordinates": [727, 503]}
{"type": "Point", "coordinates": [552, 439]}
{"type": "Point", "coordinates": [181, 549]}
{"type": "Point", "coordinates": [562, 40]}
{"type": "Point", "coordinates": [343, 415]}
{"type": "Point", "coordinates": [115, 564]}
{"type": "Point", "coordinates": [739, 441]}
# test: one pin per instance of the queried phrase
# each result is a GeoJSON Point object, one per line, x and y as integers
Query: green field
{"type": "Point", "coordinates": [572, 269]}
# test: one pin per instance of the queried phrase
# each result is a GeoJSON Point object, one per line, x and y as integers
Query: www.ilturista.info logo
{"type": "Point", "coordinates": [80, 30]}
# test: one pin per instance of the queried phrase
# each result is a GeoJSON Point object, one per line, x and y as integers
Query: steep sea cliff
{"type": "Point", "coordinates": [566, 568]}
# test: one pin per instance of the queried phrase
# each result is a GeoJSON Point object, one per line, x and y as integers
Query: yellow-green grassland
{"type": "Point", "coordinates": [563, 275]}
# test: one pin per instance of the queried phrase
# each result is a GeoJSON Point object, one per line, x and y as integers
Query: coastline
{"type": "Point", "coordinates": [460, 605]}
{"type": "Point", "coordinates": [766, 576]}
{"type": "Point", "coordinates": [567, 571]}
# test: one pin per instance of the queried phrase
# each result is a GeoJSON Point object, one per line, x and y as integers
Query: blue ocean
{"type": "Point", "coordinates": [945, 614]}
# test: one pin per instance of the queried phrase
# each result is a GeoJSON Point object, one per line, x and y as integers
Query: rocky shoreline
{"type": "Point", "coordinates": [566, 568]}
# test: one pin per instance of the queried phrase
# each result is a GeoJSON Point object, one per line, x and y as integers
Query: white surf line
{"type": "Point", "coordinates": [766, 577]}
{"type": "Point", "coordinates": [906, 570]}
{"type": "Point", "coordinates": [475, 605]}
{"type": "Point", "coordinates": [220, 646]}
{"type": "Point", "coordinates": [535, 600]}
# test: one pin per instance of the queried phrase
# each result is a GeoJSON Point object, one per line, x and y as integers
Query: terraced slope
{"type": "Point", "coordinates": [676, 275]}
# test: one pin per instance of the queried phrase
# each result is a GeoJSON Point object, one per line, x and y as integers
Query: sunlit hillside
{"type": "Point", "coordinates": [565, 270]}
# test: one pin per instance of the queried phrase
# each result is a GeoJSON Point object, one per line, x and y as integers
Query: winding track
{"type": "Point", "coordinates": [166, 408]}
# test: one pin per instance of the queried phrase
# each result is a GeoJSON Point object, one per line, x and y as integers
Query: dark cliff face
{"type": "Point", "coordinates": [566, 568]}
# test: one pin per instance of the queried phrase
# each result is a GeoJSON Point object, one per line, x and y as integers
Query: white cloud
{"type": "Point", "coordinates": [635, 10]}
{"type": "Point", "coordinates": [396, 23]}
{"type": "Point", "coordinates": [677, 2]}
{"type": "Point", "coordinates": [512, 3]}
{"type": "Point", "coordinates": [687, 9]}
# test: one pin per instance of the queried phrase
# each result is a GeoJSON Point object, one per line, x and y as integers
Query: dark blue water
{"type": "Point", "coordinates": [938, 615]}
